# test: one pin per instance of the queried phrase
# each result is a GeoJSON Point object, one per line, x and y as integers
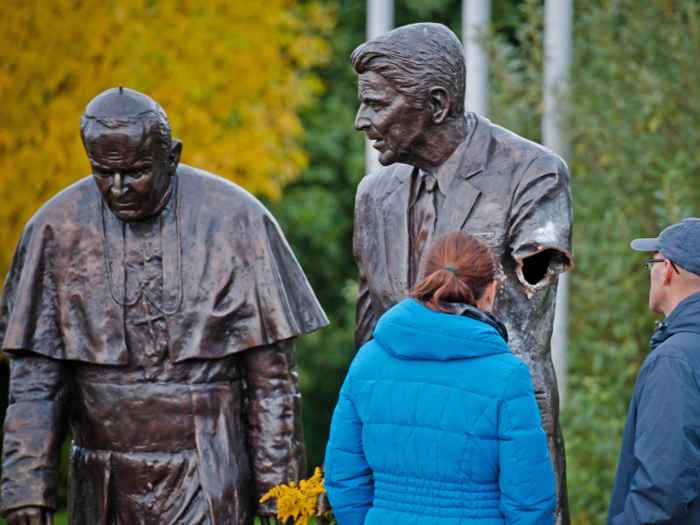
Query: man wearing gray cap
{"type": "Point", "coordinates": [658, 476]}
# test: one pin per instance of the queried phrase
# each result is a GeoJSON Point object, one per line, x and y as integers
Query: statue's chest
{"type": "Point", "coordinates": [146, 329]}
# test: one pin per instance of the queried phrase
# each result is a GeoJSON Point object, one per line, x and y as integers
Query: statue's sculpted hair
{"type": "Point", "coordinates": [415, 58]}
{"type": "Point", "coordinates": [154, 121]}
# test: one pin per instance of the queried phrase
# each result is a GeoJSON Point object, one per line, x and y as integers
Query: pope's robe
{"type": "Point", "coordinates": [166, 345]}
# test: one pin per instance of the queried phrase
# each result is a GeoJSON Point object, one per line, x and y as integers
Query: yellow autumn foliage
{"type": "Point", "coordinates": [298, 502]}
{"type": "Point", "coordinates": [230, 74]}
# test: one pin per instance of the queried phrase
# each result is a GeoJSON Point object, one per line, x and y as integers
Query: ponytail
{"type": "Point", "coordinates": [458, 268]}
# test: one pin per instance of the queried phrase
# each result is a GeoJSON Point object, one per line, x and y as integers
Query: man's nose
{"type": "Point", "coordinates": [361, 121]}
{"type": "Point", "coordinates": [118, 186]}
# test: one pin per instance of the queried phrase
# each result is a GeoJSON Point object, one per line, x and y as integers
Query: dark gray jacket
{"type": "Point", "coordinates": [658, 477]}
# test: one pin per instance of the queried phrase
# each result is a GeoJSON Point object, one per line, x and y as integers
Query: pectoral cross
{"type": "Point", "coordinates": [149, 320]}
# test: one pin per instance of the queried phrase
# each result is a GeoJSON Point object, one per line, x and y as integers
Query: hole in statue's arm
{"type": "Point", "coordinates": [535, 267]}
{"type": "Point", "coordinates": [538, 266]}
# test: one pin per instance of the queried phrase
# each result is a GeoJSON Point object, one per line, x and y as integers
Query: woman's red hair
{"type": "Point", "coordinates": [475, 269]}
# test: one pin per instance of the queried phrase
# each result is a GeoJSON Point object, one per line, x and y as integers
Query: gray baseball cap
{"type": "Point", "coordinates": [680, 243]}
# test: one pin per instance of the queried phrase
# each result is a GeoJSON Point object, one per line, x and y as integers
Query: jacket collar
{"type": "Point", "coordinates": [684, 318]}
{"type": "Point", "coordinates": [485, 317]}
{"type": "Point", "coordinates": [410, 330]}
{"type": "Point", "coordinates": [476, 154]}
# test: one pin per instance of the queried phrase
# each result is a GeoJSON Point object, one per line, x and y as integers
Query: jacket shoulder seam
{"type": "Point", "coordinates": [677, 357]}
{"type": "Point", "coordinates": [451, 336]}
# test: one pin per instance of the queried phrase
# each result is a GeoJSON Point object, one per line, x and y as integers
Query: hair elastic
{"type": "Point", "coordinates": [450, 268]}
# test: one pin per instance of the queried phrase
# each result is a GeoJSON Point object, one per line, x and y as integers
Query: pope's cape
{"type": "Point", "coordinates": [229, 276]}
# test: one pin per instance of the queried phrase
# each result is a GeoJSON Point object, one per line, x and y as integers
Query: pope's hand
{"type": "Point", "coordinates": [321, 506]}
{"type": "Point", "coordinates": [30, 516]}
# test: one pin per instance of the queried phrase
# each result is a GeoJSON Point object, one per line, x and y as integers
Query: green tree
{"type": "Point", "coordinates": [316, 214]}
{"type": "Point", "coordinates": [633, 158]}
{"type": "Point", "coordinates": [635, 152]}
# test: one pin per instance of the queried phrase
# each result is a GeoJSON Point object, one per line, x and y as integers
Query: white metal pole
{"type": "Point", "coordinates": [476, 16]}
{"type": "Point", "coordinates": [558, 36]}
{"type": "Point", "coordinates": [380, 20]}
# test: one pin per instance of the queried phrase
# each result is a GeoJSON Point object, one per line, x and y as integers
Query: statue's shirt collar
{"type": "Point", "coordinates": [449, 169]}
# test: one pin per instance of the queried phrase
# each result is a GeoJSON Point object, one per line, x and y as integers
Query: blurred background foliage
{"type": "Point", "coordinates": [634, 156]}
{"type": "Point", "coordinates": [230, 75]}
{"type": "Point", "coordinates": [273, 110]}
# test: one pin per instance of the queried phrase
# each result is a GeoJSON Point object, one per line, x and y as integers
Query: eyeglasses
{"type": "Point", "coordinates": [648, 263]}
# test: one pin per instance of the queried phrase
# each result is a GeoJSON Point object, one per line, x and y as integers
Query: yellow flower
{"type": "Point", "coordinates": [298, 502]}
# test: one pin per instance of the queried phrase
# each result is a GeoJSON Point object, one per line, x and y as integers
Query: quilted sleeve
{"type": "Point", "coordinates": [349, 482]}
{"type": "Point", "coordinates": [526, 476]}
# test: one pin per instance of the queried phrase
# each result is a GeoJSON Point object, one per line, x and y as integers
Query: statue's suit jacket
{"type": "Point", "coordinates": [513, 193]}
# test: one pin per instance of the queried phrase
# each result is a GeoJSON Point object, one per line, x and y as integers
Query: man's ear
{"type": "Point", "coordinates": [439, 100]}
{"type": "Point", "coordinates": [175, 153]}
{"type": "Point", "coordinates": [669, 272]}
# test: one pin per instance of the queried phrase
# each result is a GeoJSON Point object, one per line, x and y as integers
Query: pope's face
{"type": "Point", "coordinates": [131, 169]}
{"type": "Point", "coordinates": [389, 118]}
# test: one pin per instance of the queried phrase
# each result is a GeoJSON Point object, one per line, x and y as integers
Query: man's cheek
{"type": "Point", "coordinates": [141, 186]}
{"type": "Point", "coordinates": [393, 139]}
{"type": "Point", "coordinates": [102, 186]}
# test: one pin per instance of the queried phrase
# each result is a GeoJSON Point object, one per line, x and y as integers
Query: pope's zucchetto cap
{"type": "Point", "coordinates": [120, 103]}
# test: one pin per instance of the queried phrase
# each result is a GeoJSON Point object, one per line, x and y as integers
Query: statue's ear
{"type": "Point", "coordinates": [439, 100]}
{"type": "Point", "coordinates": [175, 152]}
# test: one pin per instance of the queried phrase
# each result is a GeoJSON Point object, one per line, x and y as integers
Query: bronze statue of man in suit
{"type": "Point", "coordinates": [152, 306]}
{"type": "Point", "coordinates": [448, 170]}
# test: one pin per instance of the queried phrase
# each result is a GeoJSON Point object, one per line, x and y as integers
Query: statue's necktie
{"type": "Point", "coordinates": [423, 223]}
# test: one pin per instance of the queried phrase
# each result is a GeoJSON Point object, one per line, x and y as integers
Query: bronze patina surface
{"type": "Point", "coordinates": [152, 306]}
{"type": "Point", "coordinates": [449, 170]}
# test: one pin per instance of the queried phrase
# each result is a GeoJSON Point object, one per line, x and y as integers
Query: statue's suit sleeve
{"type": "Point", "coordinates": [273, 419]}
{"type": "Point", "coordinates": [365, 318]}
{"type": "Point", "coordinates": [540, 217]}
{"type": "Point", "coordinates": [34, 431]}
{"type": "Point", "coordinates": [541, 221]}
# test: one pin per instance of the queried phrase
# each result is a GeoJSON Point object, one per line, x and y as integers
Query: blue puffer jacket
{"type": "Point", "coordinates": [437, 424]}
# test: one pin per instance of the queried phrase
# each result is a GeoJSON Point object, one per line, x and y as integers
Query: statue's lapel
{"type": "Point", "coordinates": [395, 210]}
{"type": "Point", "coordinates": [459, 202]}
{"type": "Point", "coordinates": [462, 195]}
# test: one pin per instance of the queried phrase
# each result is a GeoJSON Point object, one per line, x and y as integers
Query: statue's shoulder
{"type": "Point", "coordinates": [384, 181]}
{"type": "Point", "coordinates": [513, 146]}
{"type": "Point", "coordinates": [214, 194]}
{"type": "Point", "coordinates": [72, 205]}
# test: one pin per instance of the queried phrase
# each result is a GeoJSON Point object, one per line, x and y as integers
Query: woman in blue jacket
{"type": "Point", "coordinates": [437, 421]}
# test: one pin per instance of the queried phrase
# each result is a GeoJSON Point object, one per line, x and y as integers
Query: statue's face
{"type": "Point", "coordinates": [131, 169]}
{"type": "Point", "coordinates": [388, 118]}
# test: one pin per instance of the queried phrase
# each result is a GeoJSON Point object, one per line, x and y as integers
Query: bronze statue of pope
{"type": "Point", "coordinates": [152, 306]}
